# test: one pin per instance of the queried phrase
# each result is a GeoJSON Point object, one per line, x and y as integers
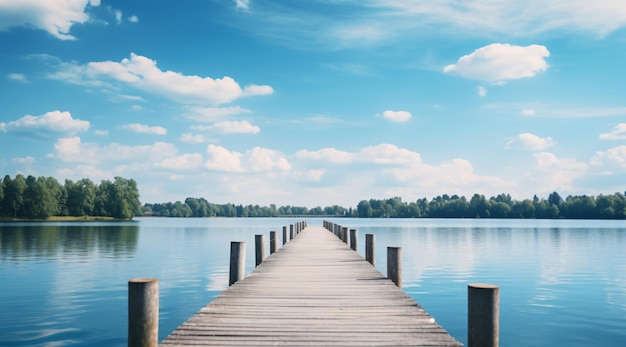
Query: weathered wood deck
{"type": "Point", "coordinates": [315, 291]}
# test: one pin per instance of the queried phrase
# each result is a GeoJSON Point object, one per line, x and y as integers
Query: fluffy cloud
{"type": "Point", "coordinates": [557, 174]}
{"type": "Point", "coordinates": [498, 63]}
{"type": "Point", "coordinates": [387, 154]}
{"type": "Point", "coordinates": [397, 116]}
{"type": "Point", "coordinates": [255, 160]}
{"type": "Point", "coordinates": [145, 129]}
{"type": "Point", "coordinates": [530, 141]}
{"type": "Point", "coordinates": [50, 122]}
{"type": "Point", "coordinates": [55, 17]}
{"type": "Point", "coordinates": [613, 158]}
{"type": "Point", "coordinates": [380, 154]}
{"type": "Point", "coordinates": [618, 133]}
{"type": "Point", "coordinates": [236, 127]}
{"type": "Point", "coordinates": [73, 150]}
{"type": "Point", "coordinates": [182, 162]}
{"type": "Point", "coordinates": [482, 91]}
{"type": "Point", "coordinates": [327, 154]}
{"type": "Point", "coordinates": [142, 73]}
{"type": "Point", "coordinates": [193, 138]}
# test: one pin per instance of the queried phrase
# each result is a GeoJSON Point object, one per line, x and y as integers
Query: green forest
{"type": "Point", "coordinates": [42, 197]}
{"type": "Point", "coordinates": [444, 206]}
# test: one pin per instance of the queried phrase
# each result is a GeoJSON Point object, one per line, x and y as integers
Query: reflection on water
{"type": "Point", "coordinates": [563, 283]}
{"type": "Point", "coordinates": [31, 241]}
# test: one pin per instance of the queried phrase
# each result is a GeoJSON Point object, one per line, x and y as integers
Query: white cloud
{"type": "Point", "coordinates": [512, 17]}
{"type": "Point", "coordinates": [133, 19]}
{"type": "Point", "coordinates": [142, 73]}
{"type": "Point", "coordinates": [530, 141]}
{"type": "Point", "coordinates": [242, 4]}
{"type": "Point", "coordinates": [397, 116]}
{"type": "Point", "coordinates": [211, 114]}
{"type": "Point", "coordinates": [257, 159]}
{"type": "Point", "coordinates": [498, 63]}
{"type": "Point", "coordinates": [618, 133]}
{"type": "Point", "coordinates": [613, 158]}
{"type": "Point", "coordinates": [528, 112]}
{"type": "Point", "coordinates": [101, 132]}
{"type": "Point", "coordinates": [309, 175]}
{"type": "Point", "coordinates": [18, 77]}
{"type": "Point", "coordinates": [387, 154]}
{"type": "Point", "coordinates": [145, 129]}
{"type": "Point", "coordinates": [54, 121]}
{"type": "Point", "coordinates": [327, 154]}
{"type": "Point", "coordinates": [182, 162]}
{"type": "Point", "coordinates": [55, 17]}
{"type": "Point", "coordinates": [73, 150]}
{"type": "Point", "coordinates": [25, 160]}
{"type": "Point", "coordinates": [556, 174]}
{"type": "Point", "coordinates": [482, 91]}
{"type": "Point", "coordinates": [221, 159]}
{"type": "Point", "coordinates": [379, 22]}
{"type": "Point", "coordinates": [236, 127]}
{"type": "Point", "coordinates": [118, 16]}
{"type": "Point", "coordinates": [193, 138]}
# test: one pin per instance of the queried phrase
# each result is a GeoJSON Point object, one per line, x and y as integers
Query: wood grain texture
{"type": "Point", "coordinates": [315, 291]}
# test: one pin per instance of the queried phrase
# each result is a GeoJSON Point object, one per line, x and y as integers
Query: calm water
{"type": "Point", "coordinates": [562, 282]}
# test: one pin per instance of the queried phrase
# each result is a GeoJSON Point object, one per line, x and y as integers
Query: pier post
{"type": "Point", "coordinates": [237, 262]}
{"type": "Point", "coordinates": [353, 239]}
{"type": "Point", "coordinates": [143, 312]}
{"type": "Point", "coordinates": [394, 265]}
{"type": "Point", "coordinates": [259, 248]}
{"type": "Point", "coordinates": [284, 235]}
{"type": "Point", "coordinates": [272, 242]}
{"type": "Point", "coordinates": [370, 240]}
{"type": "Point", "coordinates": [290, 232]}
{"type": "Point", "coordinates": [483, 315]}
{"type": "Point", "coordinates": [344, 235]}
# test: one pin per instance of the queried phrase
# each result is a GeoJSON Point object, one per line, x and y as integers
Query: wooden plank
{"type": "Point", "coordinates": [314, 291]}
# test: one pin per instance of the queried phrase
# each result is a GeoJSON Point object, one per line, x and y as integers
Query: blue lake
{"type": "Point", "coordinates": [561, 282]}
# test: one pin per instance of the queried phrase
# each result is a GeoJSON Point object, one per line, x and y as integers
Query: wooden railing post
{"type": "Point", "coordinates": [353, 239]}
{"type": "Point", "coordinates": [272, 242]}
{"type": "Point", "coordinates": [143, 312]}
{"type": "Point", "coordinates": [284, 235]}
{"type": "Point", "coordinates": [370, 240]}
{"type": "Point", "coordinates": [237, 262]}
{"type": "Point", "coordinates": [483, 315]}
{"type": "Point", "coordinates": [344, 234]}
{"type": "Point", "coordinates": [291, 232]}
{"type": "Point", "coordinates": [259, 248]}
{"type": "Point", "coordinates": [394, 265]}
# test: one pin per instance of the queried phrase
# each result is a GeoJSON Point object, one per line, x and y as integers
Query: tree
{"type": "Point", "coordinates": [81, 197]}
{"type": "Point", "coordinates": [13, 195]}
{"type": "Point", "coordinates": [364, 209]}
{"type": "Point", "coordinates": [555, 199]}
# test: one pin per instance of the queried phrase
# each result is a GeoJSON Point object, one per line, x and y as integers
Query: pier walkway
{"type": "Point", "coordinates": [315, 291]}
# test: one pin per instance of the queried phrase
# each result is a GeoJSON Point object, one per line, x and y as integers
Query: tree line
{"type": "Point", "coordinates": [200, 207]}
{"type": "Point", "coordinates": [443, 206]}
{"type": "Point", "coordinates": [41, 197]}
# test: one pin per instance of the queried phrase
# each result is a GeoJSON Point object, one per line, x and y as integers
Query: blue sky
{"type": "Point", "coordinates": [317, 102]}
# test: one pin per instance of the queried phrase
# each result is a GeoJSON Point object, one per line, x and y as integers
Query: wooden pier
{"type": "Point", "coordinates": [314, 291]}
